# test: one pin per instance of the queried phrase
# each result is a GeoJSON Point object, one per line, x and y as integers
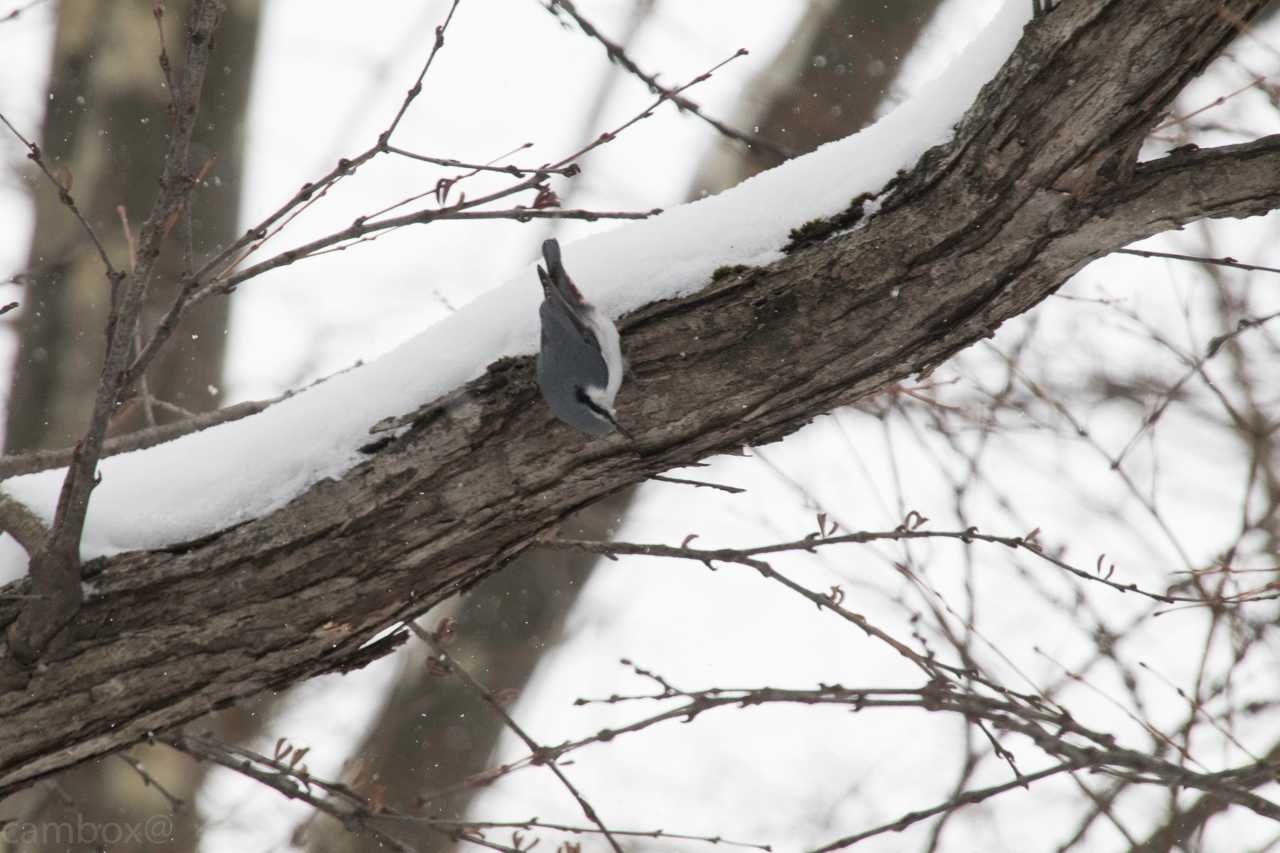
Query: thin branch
{"type": "Point", "coordinates": [213, 276]}
{"type": "Point", "coordinates": [1196, 367]}
{"type": "Point", "coordinates": [17, 11]}
{"type": "Point", "coordinates": [514, 171]}
{"type": "Point", "coordinates": [618, 55]}
{"type": "Point", "coordinates": [157, 13]}
{"type": "Point", "coordinates": [176, 803]}
{"type": "Point", "coordinates": [1174, 256]}
{"type": "Point", "coordinates": [702, 484]}
{"type": "Point", "coordinates": [218, 264]}
{"type": "Point", "coordinates": [42, 460]}
{"type": "Point", "coordinates": [1242, 325]}
{"type": "Point", "coordinates": [1043, 724]}
{"type": "Point", "coordinates": [966, 798]}
{"type": "Point", "coordinates": [663, 96]}
{"type": "Point", "coordinates": [437, 646]}
{"type": "Point", "coordinates": [748, 555]}
{"type": "Point", "coordinates": [343, 805]}
{"type": "Point", "coordinates": [64, 195]}
{"type": "Point", "coordinates": [361, 230]}
{"type": "Point", "coordinates": [416, 88]}
{"type": "Point", "coordinates": [535, 823]}
{"type": "Point", "coordinates": [464, 209]}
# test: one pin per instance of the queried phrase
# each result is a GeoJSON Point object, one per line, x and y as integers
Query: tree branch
{"type": "Point", "coordinates": [22, 524]}
{"type": "Point", "coordinates": [1039, 181]}
{"type": "Point", "coordinates": [14, 465]}
{"type": "Point", "coordinates": [619, 56]}
{"type": "Point", "coordinates": [436, 642]}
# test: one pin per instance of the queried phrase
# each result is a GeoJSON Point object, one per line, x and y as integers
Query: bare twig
{"type": "Point", "coordinates": [361, 229]}
{"type": "Point", "coordinates": [747, 555]}
{"type": "Point", "coordinates": [1174, 256]}
{"type": "Point", "coordinates": [416, 88]}
{"type": "Point", "coordinates": [157, 13]}
{"type": "Point", "coordinates": [618, 55]}
{"type": "Point", "coordinates": [64, 195]}
{"type": "Point", "coordinates": [437, 646]}
{"type": "Point", "coordinates": [1056, 732]}
{"type": "Point", "coordinates": [702, 484]}
{"type": "Point", "coordinates": [341, 803]}
{"type": "Point", "coordinates": [965, 798]}
{"type": "Point", "coordinates": [222, 282]}
{"type": "Point", "coordinates": [215, 277]}
{"type": "Point", "coordinates": [42, 460]}
{"type": "Point", "coordinates": [225, 259]}
{"type": "Point", "coordinates": [535, 824]}
{"type": "Point", "coordinates": [514, 171]}
{"type": "Point", "coordinates": [1196, 367]}
{"type": "Point", "coordinates": [663, 96]}
{"type": "Point", "coordinates": [176, 803]}
{"type": "Point", "coordinates": [17, 11]}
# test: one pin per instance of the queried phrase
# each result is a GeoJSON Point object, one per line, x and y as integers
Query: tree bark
{"type": "Point", "coordinates": [1039, 181]}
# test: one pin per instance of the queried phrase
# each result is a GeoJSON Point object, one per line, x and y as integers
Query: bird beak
{"type": "Point", "coordinates": [626, 433]}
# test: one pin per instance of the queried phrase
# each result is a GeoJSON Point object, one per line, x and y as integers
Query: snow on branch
{"type": "Point", "coordinates": [280, 546]}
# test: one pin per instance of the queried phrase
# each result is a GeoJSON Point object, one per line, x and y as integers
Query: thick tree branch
{"type": "Point", "coordinates": [1039, 181]}
{"type": "Point", "coordinates": [1233, 180]}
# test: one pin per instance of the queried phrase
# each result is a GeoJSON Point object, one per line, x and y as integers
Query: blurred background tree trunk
{"type": "Point", "coordinates": [832, 78]}
{"type": "Point", "coordinates": [104, 133]}
{"type": "Point", "coordinates": [431, 735]}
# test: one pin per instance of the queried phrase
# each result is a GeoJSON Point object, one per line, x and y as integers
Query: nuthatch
{"type": "Point", "coordinates": [580, 364]}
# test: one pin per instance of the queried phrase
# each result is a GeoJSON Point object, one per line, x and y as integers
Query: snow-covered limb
{"type": "Point", "coordinates": [209, 481]}
{"type": "Point", "coordinates": [1039, 180]}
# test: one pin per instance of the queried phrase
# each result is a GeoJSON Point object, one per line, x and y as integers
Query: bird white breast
{"type": "Point", "coordinates": [607, 334]}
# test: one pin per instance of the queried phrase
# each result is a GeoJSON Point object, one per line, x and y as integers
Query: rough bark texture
{"type": "Point", "coordinates": [1038, 182]}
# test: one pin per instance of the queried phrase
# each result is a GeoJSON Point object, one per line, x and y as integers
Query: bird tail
{"type": "Point", "coordinates": [556, 275]}
{"type": "Point", "coordinates": [551, 251]}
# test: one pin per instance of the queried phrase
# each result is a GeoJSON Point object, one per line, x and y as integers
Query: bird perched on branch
{"type": "Point", "coordinates": [580, 363]}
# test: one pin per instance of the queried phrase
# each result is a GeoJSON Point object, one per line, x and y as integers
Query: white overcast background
{"type": "Point", "coordinates": [330, 74]}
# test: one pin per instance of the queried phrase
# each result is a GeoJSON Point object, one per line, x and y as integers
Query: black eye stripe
{"type": "Point", "coordinates": [586, 400]}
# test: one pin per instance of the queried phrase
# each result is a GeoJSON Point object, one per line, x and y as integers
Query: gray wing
{"type": "Point", "coordinates": [569, 347]}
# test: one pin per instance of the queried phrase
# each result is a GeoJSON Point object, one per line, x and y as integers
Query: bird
{"type": "Point", "coordinates": [580, 363]}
